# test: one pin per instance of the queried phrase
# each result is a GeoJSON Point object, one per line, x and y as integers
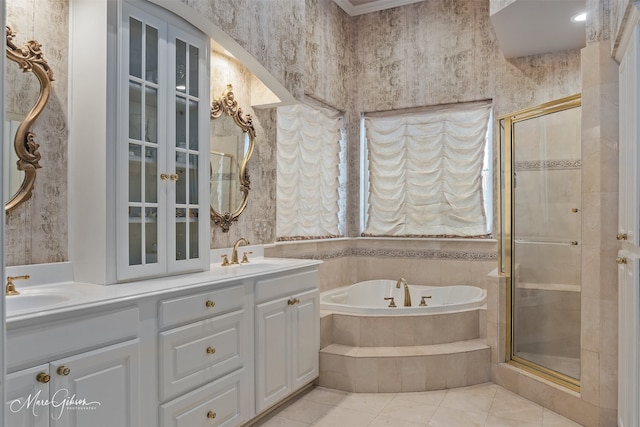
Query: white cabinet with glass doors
{"type": "Point", "coordinates": [162, 213]}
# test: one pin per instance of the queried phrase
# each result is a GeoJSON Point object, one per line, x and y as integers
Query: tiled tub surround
{"type": "Point", "coordinates": [378, 354]}
{"type": "Point", "coordinates": [431, 262]}
{"type": "Point", "coordinates": [362, 353]}
{"type": "Point", "coordinates": [407, 353]}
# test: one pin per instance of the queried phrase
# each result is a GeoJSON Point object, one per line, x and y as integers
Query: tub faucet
{"type": "Point", "coordinates": [234, 254]}
{"type": "Point", "coordinates": [407, 295]}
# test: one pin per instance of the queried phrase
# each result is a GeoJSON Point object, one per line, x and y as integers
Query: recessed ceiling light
{"type": "Point", "coordinates": [580, 17]}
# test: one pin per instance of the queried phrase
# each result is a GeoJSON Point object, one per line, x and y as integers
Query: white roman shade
{"type": "Point", "coordinates": [308, 172]}
{"type": "Point", "coordinates": [425, 171]}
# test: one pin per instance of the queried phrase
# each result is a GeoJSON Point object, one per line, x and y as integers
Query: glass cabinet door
{"type": "Point", "coordinates": [187, 146]}
{"type": "Point", "coordinates": [144, 145]}
{"type": "Point", "coordinates": [162, 133]}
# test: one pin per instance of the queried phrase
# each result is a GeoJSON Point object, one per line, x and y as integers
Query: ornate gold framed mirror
{"type": "Point", "coordinates": [22, 108]}
{"type": "Point", "coordinates": [232, 142]}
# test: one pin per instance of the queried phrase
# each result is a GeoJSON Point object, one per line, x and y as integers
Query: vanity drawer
{"type": "Point", "coordinates": [200, 352]}
{"type": "Point", "coordinates": [201, 305]}
{"type": "Point", "coordinates": [286, 285]}
{"type": "Point", "coordinates": [222, 403]}
{"type": "Point", "coordinates": [48, 340]}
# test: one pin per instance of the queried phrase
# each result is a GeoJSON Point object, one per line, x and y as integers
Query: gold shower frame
{"type": "Point", "coordinates": [30, 59]}
{"type": "Point", "coordinates": [505, 224]}
{"type": "Point", "coordinates": [227, 105]}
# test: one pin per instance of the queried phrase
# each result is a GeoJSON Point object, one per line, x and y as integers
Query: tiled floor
{"type": "Point", "coordinates": [485, 405]}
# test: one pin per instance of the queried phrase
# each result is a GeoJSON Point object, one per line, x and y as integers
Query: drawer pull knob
{"type": "Point", "coordinates": [211, 415]}
{"type": "Point", "coordinates": [63, 370]}
{"type": "Point", "coordinates": [621, 236]}
{"type": "Point", "coordinates": [210, 304]}
{"type": "Point", "coordinates": [621, 260]}
{"type": "Point", "coordinates": [211, 350]}
{"type": "Point", "coordinates": [43, 377]}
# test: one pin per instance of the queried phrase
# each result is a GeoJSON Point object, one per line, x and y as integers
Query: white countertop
{"type": "Point", "coordinates": [86, 295]}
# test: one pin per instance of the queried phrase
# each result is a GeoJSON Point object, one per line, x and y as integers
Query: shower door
{"type": "Point", "coordinates": [544, 247]}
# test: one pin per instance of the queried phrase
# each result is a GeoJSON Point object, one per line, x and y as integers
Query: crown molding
{"type": "Point", "coordinates": [372, 6]}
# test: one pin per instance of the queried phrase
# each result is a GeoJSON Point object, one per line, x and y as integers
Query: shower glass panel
{"type": "Point", "coordinates": [545, 237]}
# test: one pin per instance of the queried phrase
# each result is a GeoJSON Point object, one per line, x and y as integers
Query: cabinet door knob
{"type": "Point", "coordinates": [211, 415]}
{"type": "Point", "coordinates": [164, 176]}
{"type": "Point", "coordinates": [621, 236]}
{"type": "Point", "coordinates": [173, 177]}
{"type": "Point", "coordinates": [211, 350]}
{"type": "Point", "coordinates": [210, 303]}
{"type": "Point", "coordinates": [43, 377]}
{"type": "Point", "coordinates": [293, 301]}
{"type": "Point", "coordinates": [621, 260]}
{"type": "Point", "coordinates": [63, 370]}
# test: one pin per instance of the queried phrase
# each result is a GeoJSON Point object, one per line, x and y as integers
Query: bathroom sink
{"type": "Point", "coordinates": [253, 266]}
{"type": "Point", "coordinates": [256, 266]}
{"type": "Point", "coordinates": [32, 301]}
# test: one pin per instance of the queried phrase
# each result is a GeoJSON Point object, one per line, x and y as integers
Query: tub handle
{"type": "Point", "coordinates": [392, 303]}
{"type": "Point", "coordinates": [423, 303]}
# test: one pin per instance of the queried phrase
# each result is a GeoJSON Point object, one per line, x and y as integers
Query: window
{"type": "Point", "coordinates": [311, 174]}
{"type": "Point", "coordinates": [427, 172]}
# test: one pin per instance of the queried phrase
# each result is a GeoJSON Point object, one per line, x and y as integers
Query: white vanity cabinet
{"type": "Point", "coordinates": [93, 388]}
{"type": "Point", "coordinates": [287, 335]}
{"type": "Point", "coordinates": [21, 386]}
{"type": "Point", "coordinates": [183, 351]}
{"type": "Point", "coordinates": [203, 349]}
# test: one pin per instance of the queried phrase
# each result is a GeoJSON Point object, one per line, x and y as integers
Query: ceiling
{"type": "Point", "coordinates": [523, 28]}
{"type": "Point", "coordinates": [532, 27]}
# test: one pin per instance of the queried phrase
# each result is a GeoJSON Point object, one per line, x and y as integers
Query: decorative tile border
{"type": "Point", "coordinates": [326, 255]}
{"type": "Point", "coordinates": [400, 253]}
{"type": "Point", "coordinates": [548, 164]}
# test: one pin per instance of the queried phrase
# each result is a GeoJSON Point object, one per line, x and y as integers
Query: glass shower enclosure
{"type": "Point", "coordinates": [540, 245]}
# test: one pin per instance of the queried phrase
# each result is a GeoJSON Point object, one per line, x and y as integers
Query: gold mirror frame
{"type": "Point", "coordinates": [30, 59]}
{"type": "Point", "coordinates": [227, 105]}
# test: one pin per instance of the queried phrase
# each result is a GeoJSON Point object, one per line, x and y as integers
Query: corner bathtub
{"type": "Point", "coordinates": [368, 298]}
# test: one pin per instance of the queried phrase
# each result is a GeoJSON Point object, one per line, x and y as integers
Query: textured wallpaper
{"type": "Point", "coordinates": [441, 52]}
{"type": "Point", "coordinates": [426, 53]}
{"type": "Point", "coordinates": [272, 31]}
{"type": "Point", "coordinates": [36, 232]}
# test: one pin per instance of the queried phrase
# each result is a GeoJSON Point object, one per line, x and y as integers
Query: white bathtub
{"type": "Point", "coordinates": [368, 298]}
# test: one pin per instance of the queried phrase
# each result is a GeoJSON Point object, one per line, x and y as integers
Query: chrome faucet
{"type": "Point", "coordinates": [234, 254]}
{"type": "Point", "coordinates": [407, 295]}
